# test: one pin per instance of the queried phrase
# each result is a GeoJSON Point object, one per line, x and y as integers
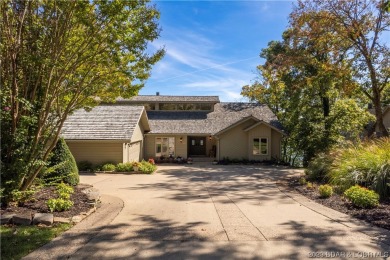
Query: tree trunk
{"type": "Point", "coordinates": [382, 131]}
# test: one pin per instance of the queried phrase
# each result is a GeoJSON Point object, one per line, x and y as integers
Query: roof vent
{"type": "Point", "coordinates": [157, 93]}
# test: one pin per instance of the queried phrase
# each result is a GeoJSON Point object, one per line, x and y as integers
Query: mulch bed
{"type": "Point", "coordinates": [379, 216]}
{"type": "Point", "coordinates": [38, 204]}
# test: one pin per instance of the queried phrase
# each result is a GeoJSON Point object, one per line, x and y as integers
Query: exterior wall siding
{"type": "Point", "coordinates": [234, 142]}
{"type": "Point", "coordinates": [133, 152]}
{"type": "Point", "coordinates": [276, 148]}
{"type": "Point", "coordinates": [238, 144]}
{"type": "Point", "coordinates": [138, 134]}
{"type": "Point", "coordinates": [181, 148]}
{"type": "Point", "coordinates": [96, 152]}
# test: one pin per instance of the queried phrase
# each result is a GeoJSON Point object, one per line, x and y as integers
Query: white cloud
{"type": "Point", "coordinates": [192, 66]}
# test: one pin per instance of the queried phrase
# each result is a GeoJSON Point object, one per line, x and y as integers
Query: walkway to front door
{"type": "Point", "coordinates": [196, 146]}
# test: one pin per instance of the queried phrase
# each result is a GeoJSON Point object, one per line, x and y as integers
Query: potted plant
{"type": "Point", "coordinates": [189, 160]}
{"type": "Point", "coordinates": [136, 166]}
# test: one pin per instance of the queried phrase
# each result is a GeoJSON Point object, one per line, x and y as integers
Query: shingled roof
{"type": "Point", "coordinates": [104, 122]}
{"type": "Point", "coordinates": [172, 99]}
{"type": "Point", "coordinates": [223, 116]}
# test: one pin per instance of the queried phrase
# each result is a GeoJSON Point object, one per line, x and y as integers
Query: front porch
{"type": "Point", "coordinates": [171, 147]}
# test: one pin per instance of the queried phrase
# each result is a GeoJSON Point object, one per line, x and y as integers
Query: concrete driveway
{"type": "Point", "coordinates": [223, 212]}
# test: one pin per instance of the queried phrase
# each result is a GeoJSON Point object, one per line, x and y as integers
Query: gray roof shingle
{"type": "Point", "coordinates": [174, 99]}
{"type": "Point", "coordinates": [223, 116]}
{"type": "Point", "coordinates": [104, 122]}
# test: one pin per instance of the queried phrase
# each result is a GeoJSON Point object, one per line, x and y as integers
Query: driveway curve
{"type": "Point", "coordinates": [223, 212]}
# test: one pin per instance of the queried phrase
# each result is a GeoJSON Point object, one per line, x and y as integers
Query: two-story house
{"type": "Point", "coordinates": [158, 126]}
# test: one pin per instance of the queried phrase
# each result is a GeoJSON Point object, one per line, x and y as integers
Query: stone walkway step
{"type": "Point", "coordinates": [65, 245]}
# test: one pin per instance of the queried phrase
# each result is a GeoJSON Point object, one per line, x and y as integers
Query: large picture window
{"type": "Point", "coordinates": [260, 146]}
{"type": "Point", "coordinates": [165, 146]}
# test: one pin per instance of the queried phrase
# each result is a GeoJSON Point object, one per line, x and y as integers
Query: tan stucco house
{"type": "Point", "coordinates": [173, 126]}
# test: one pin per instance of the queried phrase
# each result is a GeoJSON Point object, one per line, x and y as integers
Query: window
{"type": "Point", "coordinates": [186, 106]}
{"type": "Point", "coordinates": [165, 146]}
{"type": "Point", "coordinates": [150, 106]}
{"type": "Point", "coordinates": [260, 146]}
{"type": "Point", "coordinates": [167, 106]}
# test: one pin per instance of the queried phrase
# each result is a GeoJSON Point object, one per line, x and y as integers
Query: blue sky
{"type": "Point", "coordinates": [213, 47]}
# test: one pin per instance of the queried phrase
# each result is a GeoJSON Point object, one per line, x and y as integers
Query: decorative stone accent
{"type": "Point", "coordinates": [77, 219]}
{"type": "Point", "coordinates": [92, 194]}
{"type": "Point", "coordinates": [6, 218]}
{"type": "Point", "coordinates": [43, 218]}
{"type": "Point", "coordinates": [22, 219]}
{"type": "Point", "coordinates": [61, 220]}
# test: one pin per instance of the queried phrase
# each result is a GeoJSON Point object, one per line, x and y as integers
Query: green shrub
{"type": "Point", "coordinates": [22, 197]}
{"type": "Point", "coordinates": [108, 167]}
{"type": "Point", "coordinates": [85, 166]}
{"type": "Point", "coordinates": [319, 167]}
{"type": "Point", "coordinates": [62, 165]}
{"type": "Point", "coordinates": [64, 191]}
{"type": "Point", "coordinates": [124, 167]}
{"type": "Point", "coordinates": [302, 181]}
{"type": "Point", "coordinates": [309, 185]}
{"type": "Point", "coordinates": [325, 191]}
{"type": "Point", "coordinates": [366, 164]}
{"type": "Point", "coordinates": [146, 167]}
{"type": "Point", "coordinates": [362, 197]}
{"type": "Point", "coordinates": [64, 188]}
{"type": "Point", "coordinates": [59, 204]}
{"type": "Point", "coordinates": [63, 201]}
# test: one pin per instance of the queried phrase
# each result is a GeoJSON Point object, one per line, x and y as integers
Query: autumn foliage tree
{"type": "Point", "coordinates": [59, 56]}
{"type": "Point", "coordinates": [359, 32]}
{"type": "Point", "coordinates": [332, 61]}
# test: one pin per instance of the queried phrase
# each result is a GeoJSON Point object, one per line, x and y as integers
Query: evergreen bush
{"type": "Point", "coordinates": [85, 166]}
{"type": "Point", "coordinates": [62, 166]}
{"type": "Point", "coordinates": [325, 191]}
{"type": "Point", "coordinates": [362, 197]}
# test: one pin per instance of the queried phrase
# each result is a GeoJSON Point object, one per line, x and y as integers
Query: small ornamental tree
{"type": "Point", "coordinates": [62, 165]}
{"type": "Point", "coordinates": [59, 56]}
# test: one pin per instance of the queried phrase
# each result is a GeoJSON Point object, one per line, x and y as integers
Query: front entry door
{"type": "Point", "coordinates": [196, 146]}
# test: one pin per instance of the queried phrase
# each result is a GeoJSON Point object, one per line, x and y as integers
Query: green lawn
{"type": "Point", "coordinates": [18, 241]}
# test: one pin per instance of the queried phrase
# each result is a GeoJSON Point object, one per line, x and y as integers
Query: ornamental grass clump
{"type": "Point", "coordinates": [366, 164]}
{"type": "Point", "coordinates": [362, 197]}
{"type": "Point", "coordinates": [319, 167]}
{"type": "Point", "coordinates": [302, 181]}
{"type": "Point", "coordinates": [325, 191]}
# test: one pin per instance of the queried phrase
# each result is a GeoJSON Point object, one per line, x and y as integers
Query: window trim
{"type": "Point", "coordinates": [253, 144]}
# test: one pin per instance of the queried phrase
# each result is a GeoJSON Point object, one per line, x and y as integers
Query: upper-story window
{"type": "Point", "coordinates": [186, 106]}
{"type": "Point", "coordinates": [150, 106]}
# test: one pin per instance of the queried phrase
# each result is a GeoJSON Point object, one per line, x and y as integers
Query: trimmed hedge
{"type": "Point", "coordinates": [362, 197]}
{"type": "Point", "coordinates": [325, 191]}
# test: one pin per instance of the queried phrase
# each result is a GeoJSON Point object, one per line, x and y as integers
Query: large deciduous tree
{"type": "Point", "coordinates": [305, 84]}
{"type": "Point", "coordinates": [362, 26]}
{"type": "Point", "coordinates": [59, 56]}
